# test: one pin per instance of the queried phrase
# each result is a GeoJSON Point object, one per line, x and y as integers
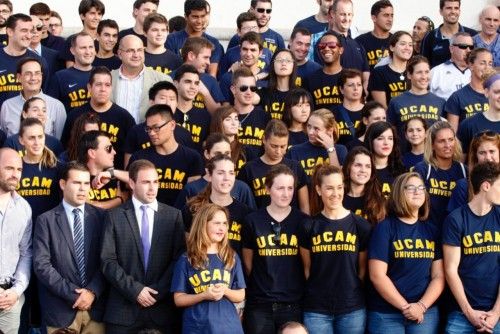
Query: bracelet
{"type": "Point", "coordinates": [422, 305]}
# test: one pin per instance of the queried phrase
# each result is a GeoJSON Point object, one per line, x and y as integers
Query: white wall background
{"type": "Point", "coordinates": [285, 12]}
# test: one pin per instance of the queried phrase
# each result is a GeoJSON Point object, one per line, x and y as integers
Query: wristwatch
{"type": "Point", "coordinates": [331, 149]}
{"type": "Point", "coordinates": [111, 171]}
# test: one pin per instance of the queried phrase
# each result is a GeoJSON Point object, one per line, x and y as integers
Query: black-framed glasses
{"type": "Point", "coordinates": [244, 88]}
{"type": "Point", "coordinates": [462, 46]}
{"type": "Point", "coordinates": [428, 20]}
{"type": "Point", "coordinates": [155, 128]}
{"type": "Point", "coordinates": [262, 10]}
{"type": "Point", "coordinates": [277, 232]}
{"type": "Point", "coordinates": [108, 148]}
{"type": "Point", "coordinates": [413, 189]}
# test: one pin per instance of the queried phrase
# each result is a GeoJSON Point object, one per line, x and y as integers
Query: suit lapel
{"type": "Point", "coordinates": [63, 224]}
{"type": "Point", "coordinates": [132, 221]}
{"type": "Point", "coordinates": [156, 229]}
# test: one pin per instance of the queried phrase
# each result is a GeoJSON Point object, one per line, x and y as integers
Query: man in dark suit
{"type": "Point", "coordinates": [142, 240]}
{"type": "Point", "coordinates": [66, 248]}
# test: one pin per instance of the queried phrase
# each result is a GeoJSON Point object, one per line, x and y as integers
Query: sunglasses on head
{"type": "Point", "coordinates": [244, 88]}
{"type": "Point", "coordinates": [277, 232]}
{"type": "Point", "coordinates": [486, 133]}
{"type": "Point", "coordinates": [262, 10]}
{"type": "Point", "coordinates": [428, 20]}
{"type": "Point", "coordinates": [39, 28]}
{"type": "Point", "coordinates": [463, 46]}
{"type": "Point", "coordinates": [331, 45]}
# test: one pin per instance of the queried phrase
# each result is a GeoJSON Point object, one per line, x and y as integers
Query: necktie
{"type": "Point", "coordinates": [79, 245]}
{"type": "Point", "coordinates": [146, 245]}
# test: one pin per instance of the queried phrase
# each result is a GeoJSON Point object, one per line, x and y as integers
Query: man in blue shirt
{"type": "Point", "coordinates": [316, 24]}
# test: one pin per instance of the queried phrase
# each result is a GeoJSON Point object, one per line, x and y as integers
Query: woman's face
{"type": "Point", "coordinates": [444, 144]}
{"type": "Point", "coordinates": [331, 191]}
{"type": "Point", "coordinates": [493, 95]}
{"type": "Point", "coordinates": [230, 124]}
{"type": "Point", "coordinates": [376, 115]}
{"type": "Point", "coordinates": [33, 140]}
{"type": "Point", "coordinates": [420, 77]}
{"type": "Point", "coordinates": [482, 63]}
{"type": "Point", "coordinates": [403, 48]}
{"type": "Point", "coordinates": [361, 169]}
{"type": "Point", "coordinates": [352, 89]}
{"type": "Point", "coordinates": [415, 132]}
{"type": "Point", "coordinates": [487, 151]}
{"type": "Point", "coordinates": [222, 147]}
{"type": "Point", "coordinates": [413, 195]}
{"type": "Point", "coordinates": [281, 191]}
{"type": "Point", "coordinates": [283, 64]}
{"type": "Point", "coordinates": [222, 177]}
{"type": "Point", "coordinates": [217, 227]}
{"type": "Point", "coordinates": [383, 144]}
{"type": "Point", "coordinates": [301, 110]}
{"type": "Point", "coordinates": [315, 126]}
{"type": "Point", "coordinates": [38, 110]}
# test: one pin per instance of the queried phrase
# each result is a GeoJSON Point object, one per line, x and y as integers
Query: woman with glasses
{"type": "Point", "coordinates": [372, 112]}
{"type": "Point", "coordinates": [298, 104]}
{"type": "Point", "coordinates": [485, 147]}
{"type": "Point", "coordinates": [348, 115]}
{"type": "Point", "coordinates": [333, 247]}
{"type": "Point", "coordinates": [271, 257]}
{"type": "Point", "coordinates": [470, 99]}
{"type": "Point", "coordinates": [282, 74]}
{"type": "Point", "coordinates": [405, 264]}
{"type": "Point", "coordinates": [441, 168]}
{"type": "Point", "coordinates": [389, 81]}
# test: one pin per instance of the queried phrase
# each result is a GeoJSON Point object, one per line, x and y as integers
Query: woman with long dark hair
{"type": "Point", "coordinates": [298, 107]}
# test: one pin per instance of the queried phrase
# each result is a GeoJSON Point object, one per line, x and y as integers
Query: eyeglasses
{"type": "Point", "coordinates": [277, 232]}
{"type": "Point", "coordinates": [155, 128]}
{"type": "Point", "coordinates": [428, 20]}
{"type": "Point", "coordinates": [5, 12]}
{"type": "Point", "coordinates": [244, 88]}
{"type": "Point", "coordinates": [132, 51]}
{"type": "Point", "coordinates": [463, 46]}
{"type": "Point", "coordinates": [331, 45]}
{"type": "Point", "coordinates": [283, 61]}
{"type": "Point", "coordinates": [55, 25]}
{"type": "Point", "coordinates": [262, 10]}
{"type": "Point", "coordinates": [413, 189]}
{"type": "Point", "coordinates": [108, 148]}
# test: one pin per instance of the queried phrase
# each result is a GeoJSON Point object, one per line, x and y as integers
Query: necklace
{"type": "Point", "coordinates": [243, 120]}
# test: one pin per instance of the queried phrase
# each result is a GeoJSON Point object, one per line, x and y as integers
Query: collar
{"type": "Point", "coordinates": [137, 204]}
{"type": "Point", "coordinates": [37, 50]}
{"type": "Point", "coordinates": [141, 73]}
{"type": "Point", "coordinates": [69, 208]}
{"type": "Point", "coordinates": [437, 31]}
{"type": "Point", "coordinates": [40, 94]}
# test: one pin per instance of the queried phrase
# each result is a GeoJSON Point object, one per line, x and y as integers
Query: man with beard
{"type": "Point", "coordinates": [5, 11]}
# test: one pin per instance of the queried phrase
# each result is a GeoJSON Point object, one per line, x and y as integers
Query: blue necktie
{"type": "Point", "coordinates": [79, 245]}
{"type": "Point", "coordinates": [146, 245]}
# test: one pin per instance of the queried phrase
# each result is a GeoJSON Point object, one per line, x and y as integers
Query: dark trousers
{"type": "Point", "coordinates": [144, 321]}
{"type": "Point", "coordinates": [268, 318]}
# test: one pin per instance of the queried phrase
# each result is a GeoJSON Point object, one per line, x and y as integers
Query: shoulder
{"type": "Point", "coordinates": [167, 209]}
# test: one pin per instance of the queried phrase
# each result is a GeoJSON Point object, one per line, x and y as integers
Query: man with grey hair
{"type": "Point", "coordinates": [454, 73]}
{"type": "Point", "coordinates": [15, 246]}
{"type": "Point", "coordinates": [488, 37]}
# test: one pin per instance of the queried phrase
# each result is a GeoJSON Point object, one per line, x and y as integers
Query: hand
{"type": "Point", "coordinates": [214, 292]}
{"type": "Point", "coordinates": [489, 322]}
{"type": "Point", "coordinates": [223, 287]}
{"type": "Point", "coordinates": [84, 300]}
{"type": "Point", "coordinates": [476, 318]}
{"type": "Point", "coordinates": [7, 299]}
{"type": "Point", "coordinates": [203, 90]}
{"type": "Point", "coordinates": [101, 179]}
{"type": "Point", "coordinates": [414, 312]}
{"type": "Point", "coordinates": [234, 67]}
{"type": "Point", "coordinates": [325, 139]}
{"type": "Point", "coordinates": [145, 297]}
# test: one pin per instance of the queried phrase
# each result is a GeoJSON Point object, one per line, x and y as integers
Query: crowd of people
{"type": "Point", "coordinates": [152, 181]}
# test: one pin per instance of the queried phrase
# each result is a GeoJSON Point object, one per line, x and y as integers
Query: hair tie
{"type": "Point", "coordinates": [491, 80]}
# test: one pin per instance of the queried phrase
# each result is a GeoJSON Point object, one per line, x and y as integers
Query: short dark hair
{"type": "Point", "coordinates": [195, 44]}
{"type": "Point", "coordinates": [7, 3]}
{"type": "Point", "coordinates": [80, 34]}
{"type": "Point", "coordinates": [139, 3]}
{"type": "Point", "coordinates": [86, 5]}
{"type": "Point", "coordinates": [245, 17]}
{"type": "Point", "coordinates": [183, 69]}
{"type": "Point", "coordinates": [484, 172]}
{"type": "Point", "coordinates": [89, 140]}
{"type": "Point", "coordinates": [11, 22]}
{"type": "Point", "coordinates": [20, 63]}
{"type": "Point", "coordinates": [176, 23]}
{"type": "Point", "coordinates": [161, 85]}
{"type": "Point", "coordinates": [379, 5]}
{"type": "Point", "coordinates": [241, 72]}
{"type": "Point", "coordinates": [39, 8]}
{"type": "Point", "coordinates": [277, 128]}
{"type": "Point", "coordinates": [160, 109]}
{"type": "Point", "coordinates": [253, 3]}
{"type": "Point", "coordinates": [108, 23]}
{"type": "Point", "coordinates": [442, 2]}
{"type": "Point", "coordinates": [300, 30]}
{"type": "Point", "coordinates": [252, 37]}
{"type": "Point", "coordinates": [190, 5]}
{"type": "Point", "coordinates": [135, 167]}
{"type": "Point", "coordinates": [72, 165]}
{"type": "Point", "coordinates": [98, 70]}
{"type": "Point", "coordinates": [154, 18]}
{"type": "Point", "coordinates": [55, 14]}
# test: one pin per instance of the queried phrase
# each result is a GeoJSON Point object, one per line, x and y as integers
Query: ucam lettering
{"type": "Point", "coordinates": [441, 188]}
{"type": "Point", "coordinates": [309, 164]}
{"type": "Point", "coordinates": [102, 194]}
{"type": "Point", "coordinates": [268, 44]}
{"type": "Point", "coordinates": [36, 181]}
{"type": "Point", "coordinates": [326, 91]}
{"type": "Point", "coordinates": [413, 244]}
{"type": "Point", "coordinates": [78, 95]}
{"type": "Point", "coordinates": [480, 238]}
{"type": "Point", "coordinates": [419, 109]}
{"type": "Point", "coordinates": [266, 241]}
{"type": "Point", "coordinates": [475, 108]}
{"type": "Point", "coordinates": [8, 78]}
{"type": "Point", "coordinates": [234, 231]}
{"type": "Point", "coordinates": [169, 174]}
{"type": "Point", "coordinates": [340, 236]}
{"type": "Point", "coordinates": [161, 69]}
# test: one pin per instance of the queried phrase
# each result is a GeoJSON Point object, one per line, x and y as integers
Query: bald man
{"type": "Point", "coordinates": [15, 249]}
{"type": "Point", "coordinates": [489, 38]}
{"type": "Point", "coordinates": [132, 81]}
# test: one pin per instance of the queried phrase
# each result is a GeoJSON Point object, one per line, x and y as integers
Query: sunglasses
{"type": "Point", "coordinates": [244, 88]}
{"type": "Point", "coordinates": [277, 232]}
{"type": "Point", "coordinates": [331, 45]}
{"type": "Point", "coordinates": [108, 148]}
{"type": "Point", "coordinates": [463, 46]}
{"type": "Point", "coordinates": [262, 10]}
{"type": "Point", "coordinates": [39, 28]}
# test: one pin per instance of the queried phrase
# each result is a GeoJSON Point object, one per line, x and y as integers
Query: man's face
{"type": "Point", "coordinates": [201, 61]}
{"type": "Point", "coordinates": [91, 18]}
{"type": "Point", "coordinates": [324, 6]}
{"type": "Point", "coordinates": [55, 26]}
{"type": "Point", "coordinates": [143, 11]}
{"type": "Point", "coordinates": [458, 53]}
{"type": "Point", "coordinates": [11, 167]}
{"type": "Point", "coordinates": [450, 12]}
{"type": "Point", "coordinates": [21, 35]}
{"type": "Point", "coordinates": [341, 19]}
{"type": "Point", "coordinates": [4, 15]}
{"type": "Point", "coordinates": [262, 11]}
{"type": "Point", "coordinates": [419, 30]}
{"type": "Point", "coordinates": [131, 52]}
{"type": "Point", "coordinates": [76, 188]}
{"type": "Point", "coordinates": [31, 77]}
{"type": "Point", "coordinates": [249, 53]}
{"type": "Point", "coordinates": [104, 154]}
{"type": "Point", "coordinates": [100, 89]}
{"type": "Point", "coordinates": [160, 130]}
{"type": "Point", "coordinates": [384, 19]}
{"type": "Point", "coordinates": [300, 46]}
{"type": "Point", "coordinates": [168, 97]}
{"type": "Point", "coordinates": [37, 31]}
{"type": "Point", "coordinates": [490, 21]}
{"type": "Point", "coordinates": [196, 20]}
{"type": "Point", "coordinates": [107, 39]}
{"type": "Point", "coordinates": [188, 86]}
{"type": "Point", "coordinates": [246, 97]}
{"type": "Point", "coordinates": [45, 21]}
{"type": "Point", "coordinates": [329, 49]}
{"type": "Point", "coordinates": [247, 27]}
{"type": "Point", "coordinates": [145, 188]}
{"type": "Point", "coordinates": [84, 50]}
{"type": "Point", "coordinates": [157, 34]}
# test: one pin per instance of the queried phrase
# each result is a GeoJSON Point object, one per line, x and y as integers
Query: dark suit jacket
{"type": "Point", "coordinates": [54, 262]}
{"type": "Point", "coordinates": [52, 58]}
{"type": "Point", "coordinates": [123, 265]}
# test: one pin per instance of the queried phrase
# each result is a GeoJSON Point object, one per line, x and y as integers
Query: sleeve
{"type": "Point", "coordinates": [301, 176]}
{"type": "Point", "coordinates": [225, 84]}
{"type": "Point", "coordinates": [216, 91]}
{"type": "Point", "coordinates": [421, 168]}
{"type": "Point", "coordinates": [364, 65]}
{"type": "Point", "coordinates": [452, 106]}
{"type": "Point", "coordinates": [248, 234]}
{"type": "Point", "coordinates": [245, 195]}
{"type": "Point", "coordinates": [217, 53]}
{"type": "Point", "coordinates": [65, 53]}
{"type": "Point", "coordinates": [391, 112]}
{"type": "Point", "coordinates": [235, 40]}
{"type": "Point", "coordinates": [9, 142]}
{"type": "Point", "coordinates": [237, 274]}
{"type": "Point", "coordinates": [53, 87]}
{"type": "Point", "coordinates": [180, 276]}
{"type": "Point", "coordinates": [280, 41]}
{"type": "Point", "coordinates": [187, 217]}
{"type": "Point", "coordinates": [426, 45]}
{"type": "Point", "coordinates": [60, 121]}
{"type": "Point", "coordinates": [376, 81]}
{"type": "Point", "coordinates": [464, 134]}
{"type": "Point", "coordinates": [379, 244]}
{"type": "Point", "coordinates": [170, 44]}
{"type": "Point", "coordinates": [196, 165]}
{"type": "Point", "coordinates": [458, 195]}
{"type": "Point", "coordinates": [243, 174]}
{"type": "Point", "coordinates": [23, 270]}
{"type": "Point", "coordinates": [364, 229]}
{"type": "Point", "coordinates": [341, 153]}
{"type": "Point", "coordinates": [131, 143]}
{"type": "Point", "coordinates": [304, 234]}
{"type": "Point", "coordinates": [68, 126]}
{"type": "Point", "coordinates": [452, 230]}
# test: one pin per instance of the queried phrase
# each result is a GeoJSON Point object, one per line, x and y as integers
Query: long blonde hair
{"type": "Point", "coordinates": [429, 156]}
{"type": "Point", "coordinates": [48, 159]}
{"type": "Point", "coordinates": [198, 240]}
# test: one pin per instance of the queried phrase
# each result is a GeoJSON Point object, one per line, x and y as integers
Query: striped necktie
{"type": "Point", "coordinates": [79, 245]}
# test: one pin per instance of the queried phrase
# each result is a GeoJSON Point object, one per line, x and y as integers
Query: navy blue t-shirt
{"type": "Point", "coordinates": [137, 138]}
{"type": "Point", "coordinates": [208, 316]}
{"type": "Point", "coordinates": [304, 71]}
{"type": "Point", "coordinates": [53, 42]}
{"type": "Point", "coordinates": [275, 257]}
{"type": "Point", "coordinates": [213, 87]}
{"type": "Point", "coordinates": [384, 79]}
{"type": "Point", "coordinates": [355, 204]}
{"type": "Point", "coordinates": [410, 159]}
{"type": "Point", "coordinates": [50, 141]}
{"type": "Point", "coordinates": [130, 31]}
{"type": "Point", "coordinates": [459, 195]}
{"type": "Point", "coordinates": [165, 62]}
{"type": "Point", "coordinates": [173, 169]}
{"type": "Point", "coordinates": [233, 55]}
{"type": "Point", "coordinates": [471, 126]}
{"type": "Point", "coordinates": [477, 237]}
{"type": "Point", "coordinates": [70, 87]}
{"type": "Point", "coordinates": [197, 122]}
{"type": "Point", "coordinates": [251, 131]}
{"type": "Point", "coordinates": [254, 173]}
{"type": "Point", "coordinates": [409, 251]}
{"type": "Point", "coordinates": [466, 102]}
{"type": "Point", "coordinates": [271, 39]}
{"type": "Point", "coordinates": [296, 137]}
{"type": "Point", "coordinates": [106, 193]}
{"type": "Point", "coordinates": [386, 177]}
{"type": "Point", "coordinates": [324, 89]}
{"type": "Point", "coordinates": [4, 40]}
{"type": "Point", "coordinates": [316, 28]}
{"type": "Point", "coordinates": [333, 286]}
{"type": "Point", "coordinates": [440, 184]}
{"type": "Point", "coordinates": [375, 48]}
{"type": "Point", "coordinates": [348, 122]}
{"type": "Point", "coordinates": [273, 102]}
{"type": "Point", "coordinates": [112, 63]}
{"type": "Point", "coordinates": [176, 40]}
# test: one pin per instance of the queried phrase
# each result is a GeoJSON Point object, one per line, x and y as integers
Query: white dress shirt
{"type": "Point", "coordinates": [152, 208]}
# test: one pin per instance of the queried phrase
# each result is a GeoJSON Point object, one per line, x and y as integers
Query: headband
{"type": "Point", "coordinates": [491, 80]}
